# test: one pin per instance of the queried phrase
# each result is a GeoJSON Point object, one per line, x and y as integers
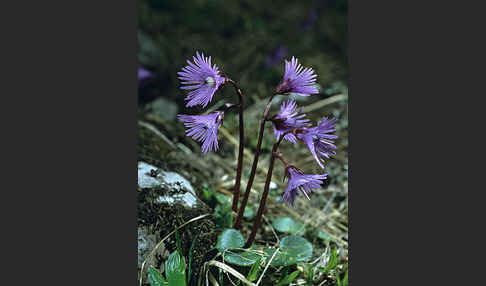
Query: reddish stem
{"type": "Point", "coordinates": [236, 191]}
{"type": "Point", "coordinates": [254, 166]}
{"type": "Point", "coordinates": [261, 208]}
{"type": "Point", "coordinates": [278, 155]}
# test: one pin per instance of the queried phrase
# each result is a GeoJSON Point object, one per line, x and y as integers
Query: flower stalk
{"type": "Point", "coordinates": [239, 166]}
{"type": "Point", "coordinates": [254, 165]}
{"type": "Point", "coordinates": [202, 80]}
{"type": "Point", "coordinates": [263, 200]}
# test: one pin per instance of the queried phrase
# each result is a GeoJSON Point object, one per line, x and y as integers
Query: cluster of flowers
{"type": "Point", "coordinates": [204, 80]}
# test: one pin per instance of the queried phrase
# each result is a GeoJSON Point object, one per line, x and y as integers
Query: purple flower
{"type": "Point", "coordinates": [204, 128]}
{"type": "Point", "coordinates": [288, 119]}
{"type": "Point", "coordinates": [318, 140]}
{"type": "Point", "coordinates": [276, 56]}
{"type": "Point", "coordinates": [143, 75]}
{"type": "Point", "coordinates": [297, 79]}
{"type": "Point", "coordinates": [298, 181]}
{"type": "Point", "coordinates": [202, 78]}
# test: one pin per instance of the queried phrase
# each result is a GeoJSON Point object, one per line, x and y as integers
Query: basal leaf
{"type": "Point", "coordinates": [175, 270]}
{"type": "Point", "coordinates": [288, 225]}
{"type": "Point", "coordinates": [228, 239]}
{"type": "Point", "coordinates": [155, 278]}
{"type": "Point", "coordinates": [293, 249]}
{"type": "Point", "coordinates": [241, 258]}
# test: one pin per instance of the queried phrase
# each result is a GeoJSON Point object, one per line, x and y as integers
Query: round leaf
{"type": "Point", "coordinates": [287, 224]}
{"type": "Point", "coordinates": [244, 258]}
{"type": "Point", "coordinates": [280, 259]}
{"type": "Point", "coordinates": [293, 248]}
{"type": "Point", "coordinates": [230, 238]}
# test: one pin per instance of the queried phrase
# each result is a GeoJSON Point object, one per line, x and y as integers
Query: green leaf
{"type": "Point", "coordinates": [288, 279]}
{"type": "Point", "coordinates": [280, 258]}
{"type": "Point", "coordinates": [207, 193]}
{"type": "Point", "coordinates": [333, 261]}
{"type": "Point", "coordinates": [175, 270]}
{"type": "Point", "coordinates": [287, 224]}
{"type": "Point", "coordinates": [322, 235]}
{"type": "Point", "coordinates": [178, 243]}
{"type": "Point", "coordinates": [293, 249]}
{"type": "Point", "coordinates": [220, 275]}
{"type": "Point", "coordinates": [310, 274]}
{"type": "Point", "coordinates": [249, 213]}
{"type": "Point", "coordinates": [189, 262]}
{"type": "Point", "coordinates": [222, 199]}
{"type": "Point", "coordinates": [155, 278]}
{"type": "Point", "coordinates": [344, 282]}
{"type": "Point", "coordinates": [252, 275]}
{"type": "Point", "coordinates": [338, 280]}
{"type": "Point", "coordinates": [228, 239]}
{"type": "Point", "coordinates": [241, 258]}
{"type": "Point", "coordinates": [222, 215]}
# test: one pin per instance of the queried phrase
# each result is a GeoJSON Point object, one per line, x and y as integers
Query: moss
{"type": "Point", "coordinates": [151, 149]}
{"type": "Point", "coordinates": [162, 218]}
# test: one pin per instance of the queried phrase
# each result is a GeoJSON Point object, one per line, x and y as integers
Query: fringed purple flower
{"type": "Point", "coordinates": [300, 183]}
{"type": "Point", "coordinates": [204, 128]}
{"type": "Point", "coordinates": [318, 139]}
{"type": "Point", "coordinates": [202, 78]}
{"type": "Point", "coordinates": [297, 79]}
{"type": "Point", "coordinates": [287, 119]}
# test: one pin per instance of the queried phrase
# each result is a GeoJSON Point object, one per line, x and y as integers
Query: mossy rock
{"type": "Point", "coordinates": [166, 200]}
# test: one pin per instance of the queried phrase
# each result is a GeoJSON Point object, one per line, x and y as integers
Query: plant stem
{"type": "Point", "coordinates": [254, 166]}
{"type": "Point", "coordinates": [236, 191]}
{"type": "Point", "coordinates": [261, 208]}
{"type": "Point", "coordinates": [278, 155]}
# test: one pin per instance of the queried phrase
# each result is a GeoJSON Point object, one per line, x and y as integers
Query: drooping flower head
{"type": "Point", "coordinates": [300, 183]}
{"type": "Point", "coordinates": [287, 119]}
{"type": "Point", "coordinates": [202, 79]}
{"type": "Point", "coordinates": [318, 139]}
{"type": "Point", "coordinates": [297, 79]}
{"type": "Point", "coordinates": [204, 128]}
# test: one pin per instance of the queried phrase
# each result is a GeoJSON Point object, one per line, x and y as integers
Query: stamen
{"type": "Point", "coordinates": [303, 191]}
{"type": "Point", "coordinates": [210, 81]}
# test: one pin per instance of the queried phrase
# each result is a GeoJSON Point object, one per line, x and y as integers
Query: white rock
{"type": "Point", "coordinates": [170, 179]}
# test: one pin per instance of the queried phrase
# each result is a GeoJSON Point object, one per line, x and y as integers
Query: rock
{"type": "Point", "coordinates": [167, 200]}
{"type": "Point", "coordinates": [152, 177]}
{"type": "Point", "coordinates": [147, 242]}
{"type": "Point", "coordinates": [157, 147]}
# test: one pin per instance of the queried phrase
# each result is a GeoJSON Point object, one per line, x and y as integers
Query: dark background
{"type": "Point", "coordinates": [248, 40]}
